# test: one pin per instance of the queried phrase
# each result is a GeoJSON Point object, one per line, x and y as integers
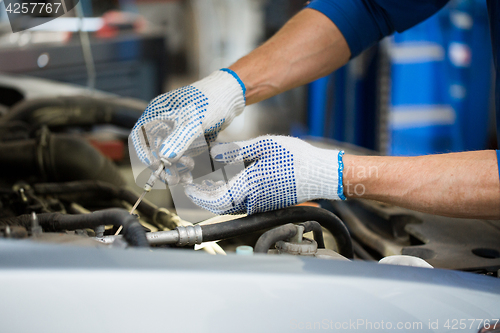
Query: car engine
{"type": "Point", "coordinates": [64, 168]}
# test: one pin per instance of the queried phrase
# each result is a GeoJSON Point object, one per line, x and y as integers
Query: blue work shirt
{"type": "Point", "coordinates": [365, 22]}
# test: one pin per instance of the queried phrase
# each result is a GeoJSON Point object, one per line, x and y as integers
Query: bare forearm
{"type": "Point", "coordinates": [308, 47]}
{"type": "Point", "coordinates": [458, 184]}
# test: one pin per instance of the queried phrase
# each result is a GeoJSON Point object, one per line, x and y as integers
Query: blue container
{"type": "Point", "coordinates": [441, 82]}
{"type": "Point", "coordinates": [441, 75]}
{"type": "Point", "coordinates": [342, 106]}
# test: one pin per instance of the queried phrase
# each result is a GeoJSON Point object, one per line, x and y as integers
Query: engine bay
{"type": "Point", "coordinates": [65, 170]}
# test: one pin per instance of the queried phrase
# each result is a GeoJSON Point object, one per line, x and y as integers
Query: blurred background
{"type": "Point", "coordinates": [427, 90]}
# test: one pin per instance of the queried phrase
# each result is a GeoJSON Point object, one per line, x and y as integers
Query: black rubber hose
{"type": "Point", "coordinates": [98, 189]}
{"type": "Point", "coordinates": [15, 130]}
{"type": "Point", "coordinates": [125, 118]}
{"type": "Point", "coordinates": [271, 219]}
{"type": "Point", "coordinates": [287, 231]}
{"type": "Point", "coordinates": [270, 237]}
{"type": "Point", "coordinates": [77, 110]}
{"type": "Point", "coordinates": [133, 231]}
{"type": "Point", "coordinates": [57, 158]}
{"type": "Point", "coordinates": [102, 189]}
{"type": "Point", "coordinates": [19, 158]}
{"type": "Point", "coordinates": [315, 227]}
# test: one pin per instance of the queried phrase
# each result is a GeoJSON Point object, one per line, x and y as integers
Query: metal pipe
{"type": "Point", "coordinates": [154, 238]}
{"type": "Point", "coordinates": [181, 236]}
{"type": "Point", "coordinates": [163, 237]}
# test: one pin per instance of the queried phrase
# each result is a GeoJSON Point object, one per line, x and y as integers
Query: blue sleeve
{"type": "Point", "coordinates": [364, 22]}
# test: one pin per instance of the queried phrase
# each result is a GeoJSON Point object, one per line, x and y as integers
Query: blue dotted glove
{"type": "Point", "coordinates": [284, 171]}
{"type": "Point", "coordinates": [178, 122]}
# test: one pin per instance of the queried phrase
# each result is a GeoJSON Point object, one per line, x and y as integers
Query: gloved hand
{"type": "Point", "coordinates": [176, 123]}
{"type": "Point", "coordinates": [284, 171]}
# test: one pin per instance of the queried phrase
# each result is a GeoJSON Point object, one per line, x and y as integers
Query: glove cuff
{"type": "Point", "coordinates": [242, 85]}
{"type": "Point", "coordinates": [225, 96]}
{"type": "Point", "coordinates": [336, 190]}
{"type": "Point", "coordinates": [340, 186]}
{"type": "Point", "coordinates": [320, 175]}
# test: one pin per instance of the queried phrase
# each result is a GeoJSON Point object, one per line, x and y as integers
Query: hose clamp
{"type": "Point", "coordinates": [189, 235]}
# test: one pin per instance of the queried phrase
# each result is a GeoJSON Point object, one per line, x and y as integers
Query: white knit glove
{"type": "Point", "coordinates": [176, 123]}
{"type": "Point", "coordinates": [284, 171]}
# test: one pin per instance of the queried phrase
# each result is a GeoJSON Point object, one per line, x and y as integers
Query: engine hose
{"type": "Point", "coordinates": [270, 237]}
{"type": "Point", "coordinates": [315, 227]}
{"type": "Point", "coordinates": [77, 111]}
{"type": "Point", "coordinates": [160, 217]}
{"type": "Point", "coordinates": [260, 221]}
{"type": "Point", "coordinates": [133, 231]}
{"type": "Point", "coordinates": [15, 130]}
{"type": "Point", "coordinates": [287, 231]}
{"type": "Point", "coordinates": [57, 158]}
